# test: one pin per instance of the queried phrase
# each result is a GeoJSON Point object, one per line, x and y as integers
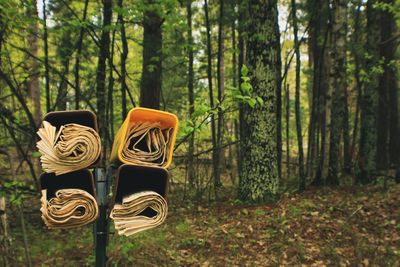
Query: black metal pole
{"type": "Point", "coordinates": [101, 225]}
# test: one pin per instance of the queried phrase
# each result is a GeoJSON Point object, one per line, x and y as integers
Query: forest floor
{"type": "Point", "coordinates": [356, 226]}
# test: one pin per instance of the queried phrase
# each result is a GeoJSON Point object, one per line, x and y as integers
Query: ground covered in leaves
{"type": "Point", "coordinates": [357, 226]}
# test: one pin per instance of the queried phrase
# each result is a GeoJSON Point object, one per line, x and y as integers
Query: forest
{"type": "Point", "coordinates": [287, 151]}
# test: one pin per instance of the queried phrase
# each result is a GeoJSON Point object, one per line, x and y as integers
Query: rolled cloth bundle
{"type": "Point", "coordinates": [69, 208]}
{"type": "Point", "coordinates": [73, 147]}
{"type": "Point", "coordinates": [129, 218]}
{"type": "Point", "coordinates": [146, 144]}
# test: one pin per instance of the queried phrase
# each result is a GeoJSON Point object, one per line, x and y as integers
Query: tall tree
{"type": "Point", "coordinates": [33, 47]}
{"type": "Point", "coordinates": [104, 53]}
{"type": "Point", "coordinates": [369, 97]}
{"type": "Point", "coordinates": [190, 90]}
{"type": "Point", "coordinates": [221, 89]}
{"type": "Point", "coordinates": [387, 116]}
{"type": "Point", "coordinates": [337, 81]}
{"type": "Point", "coordinates": [302, 177]}
{"type": "Point", "coordinates": [211, 95]}
{"type": "Point", "coordinates": [78, 58]}
{"type": "Point", "coordinates": [259, 171]}
{"type": "Point", "coordinates": [124, 56]}
{"type": "Point", "coordinates": [150, 84]}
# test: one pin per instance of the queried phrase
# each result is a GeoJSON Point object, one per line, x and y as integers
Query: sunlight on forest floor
{"type": "Point", "coordinates": [357, 226]}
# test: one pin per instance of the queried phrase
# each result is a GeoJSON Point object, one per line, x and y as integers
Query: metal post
{"type": "Point", "coordinates": [101, 226]}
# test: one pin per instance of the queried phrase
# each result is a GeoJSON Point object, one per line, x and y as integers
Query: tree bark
{"type": "Point", "coordinates": [211, 95]}
{"type": "Point", "coordinates": [191, 170]}
{"type": "Point", "coordinates": [369, 98]}
{"type": "Point", "coordinates": [33, 48]}
{"type": "Point", "coordinates": [104, 53]}
{"type": "Point", "coordinates": [78, 58]}
{"type": "Point", "coordinates": [259, 171]}
{"type": "Point", "coordinates": [150, 84]}
{"type": "Point", "coordinates": [338, 84]}
{"type": "Point", "coordinates": [46, 59]}
{"type": "Point", "coordinates": [302, 177]}
{"type": "Point", "coordinates": [124, 56]}
{"type": "Point", "coordinates": [387, 119]}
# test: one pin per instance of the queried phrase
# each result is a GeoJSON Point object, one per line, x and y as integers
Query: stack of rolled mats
{"type": "Point", "coordinates": [129, 217]}
{"type": "Point", "coordinates": [146, 144]}
{"type": "Point", "coordinates": [69, 208]}
{"type": "Point", "coordinates": [73, 147]}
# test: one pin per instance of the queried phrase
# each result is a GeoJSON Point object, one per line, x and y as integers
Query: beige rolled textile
{"type": "Point", "coordinates": [73, 147]}
{"type": "Point", "coordinates": [69, 208]}
{"type": "Point", "coordinates": [146, 144]}
{"type": "Point", "coordinates": [127, 216]}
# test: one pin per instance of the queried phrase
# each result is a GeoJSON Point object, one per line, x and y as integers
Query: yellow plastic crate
{"type": "Point", "coordinates": [166, 120]}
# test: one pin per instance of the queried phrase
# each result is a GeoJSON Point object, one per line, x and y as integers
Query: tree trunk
{"type": "Point", "coordinates": [302, 177]}
{"type": "Point", "coordinates": [338, 84]}
{"type": "Point", "coordinates": [259, 171]}
{"type": "Point", "coordinates": [369, 98]}
{"type": "Point", "coordinates": [387, 119]}
{"type": "Point", "coordinates": [78, 58]}
{"type": "Point", "coordinates": [150, 84]}
{"type": "Point", "coordinates": [211, 95]}
{"type": "Point", "coordinates": [104, 53]}
{"type": "Point", "coordinates": [191, 170]}
{"type": "Point", "coordinates": [124, 56]}
{"type": "Point", "coordinates": [46, 58]}
{"type": "Point", "coordinates": [221, 88]}
{"type": "Point", "coordinates": [33, 48]}
{"type": "Point", "coordinates": [287, 116]}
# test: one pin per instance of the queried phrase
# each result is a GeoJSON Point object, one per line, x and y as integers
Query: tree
{"type": "Point", "coordinates": [190, 89]}
{"type": "Point", "coordinates": [33, 47]}
{"type": "Point", "coordinates": [337, 81]}
{"type": "Point", "coordinates": [302, 178]}
{"type": "Point", "coordinates": [150, 84]}
{"type": "Point", "coordinates": [104, 53]}
{"type": "Point", "coordinates": [259, 171]}
{"type": "Point", "coordinates": [369, 97]}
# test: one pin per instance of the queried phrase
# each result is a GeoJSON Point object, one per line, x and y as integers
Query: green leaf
{"type": "Point", "coordinates": [36, 154]}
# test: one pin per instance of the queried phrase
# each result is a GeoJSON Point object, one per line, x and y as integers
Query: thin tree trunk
{"type": "Point", "coordinates": [33, 48]}
{"type": "Point", "coordinates": [190, 166]}
{"type": "Point", "coordinates": [78, 58]}
{"type": "Point", "coordinates": [211, 95]}
{"type": "Point", "coordinates": [221, 89]}
{"type": "Point", "coordinates": [150, 85]}
{"type": "Point", "coordinates": [46, 59]}
{"type": "Point", "coordinates": [124, 56]}
{"type": "Point", "coordinates": [369, 99]}
{"type": "Point", "coordinates": [287, 116]}
{"type": "Point", "coordinates": [25, 236]}
{"type": "Point", "coordinates": [104, 53]}
{"type": "Point", "coordinates": [302, 177]}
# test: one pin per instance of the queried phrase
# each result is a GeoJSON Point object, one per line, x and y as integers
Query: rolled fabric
{"type": "Point", "coordinates": [72, 148]}
{"type": "Point", "coordinates": [129, 218]}
{"type": "Point", "coordinates": [146, 144]}
{"type": "Point", "coordinates": [69, 208]}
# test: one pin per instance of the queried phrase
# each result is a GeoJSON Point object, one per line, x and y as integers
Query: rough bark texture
{"type": "Point", "coordinates": [150, 85]}
{"type": "Point", "coordinates": [369, 98]}
{"type": "Point", "coordinates": [259, 171]}
{"type": "Point", "coordinates": [337, 81]}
